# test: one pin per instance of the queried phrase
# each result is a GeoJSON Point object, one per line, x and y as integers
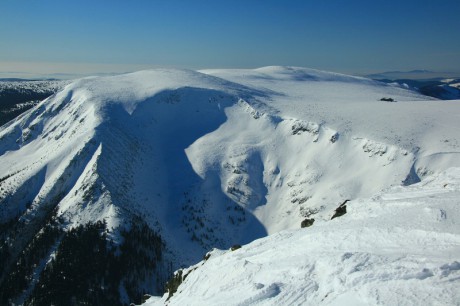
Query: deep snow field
{"type": "Point", "coordinates": [400, 247]}
{"type": "Point", "coordinates": [210, 159]}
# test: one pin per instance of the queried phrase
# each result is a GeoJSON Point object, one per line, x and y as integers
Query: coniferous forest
{"type": "Point", "coordinates": [84, 266]}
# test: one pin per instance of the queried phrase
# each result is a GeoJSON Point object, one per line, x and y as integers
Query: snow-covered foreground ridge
{"type": "Point", "coordinates": [400, 247]}
{"type": "Point", "coordinates": [214, 158]}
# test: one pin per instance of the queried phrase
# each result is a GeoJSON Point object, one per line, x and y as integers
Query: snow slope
{"type": "Point", "coordinates": [400, 247]}
{"type": "Point", "coordinates": [351, 104]}
{"type": "Point", "coordinates": [217, 158]}
{"type": "Point", "coordinates": [322, 138]}
{"type": "Point", "coordinates": [106, 148]}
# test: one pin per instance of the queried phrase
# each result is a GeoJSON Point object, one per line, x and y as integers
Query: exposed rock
{"type": "Point", "coordinates": [388, 99]}
{"type": "Point", "coordinates": [341, 210]}
{"type": "Point", "coordinates": [235, 247]}
{"type": "Point", "coordinates": [334, 137]}
{"type": "Point", "coordinates": [307, 223]}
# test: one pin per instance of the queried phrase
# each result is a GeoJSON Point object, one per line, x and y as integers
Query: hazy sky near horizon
{"type": "Point", "coordinates": [103, 36]}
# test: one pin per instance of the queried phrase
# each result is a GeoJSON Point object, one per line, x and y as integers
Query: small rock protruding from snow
{"type": "Point", "coordinates": [374, 148]}
{"type": "Point", "coordinates": [301, 126]}
{"type": "Point", "coordinates": [249, 109]}
{"type": "Point", "coordinates": [334, 137]}
{"type": "Point", "coordinates": [341, 210]}
{"type": "Point", "coordinates": [307, 223]}
{"type": "Point", "coordinates": [385, 99]}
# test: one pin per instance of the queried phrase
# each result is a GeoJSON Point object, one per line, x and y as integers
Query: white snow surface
{"type": "Point", "coordinates": [349, 104]}
{"type": "Point", "coordinates": [399, 247]}
{"type": "Point", "coordinates": [215, 158]}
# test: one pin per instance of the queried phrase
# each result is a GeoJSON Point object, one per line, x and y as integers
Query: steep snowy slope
{"type": "Point", "coordinates": [401, 247]}
{"type": "Point", "coordinates": [112, 149]}
{"type": "Point", "coordinates": [323, 138]}
{"type": "Point", "coordinates": [207, 161]}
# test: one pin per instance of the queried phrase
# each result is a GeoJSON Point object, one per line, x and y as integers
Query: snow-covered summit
{"type": "Point", "coordinates": [280, 142]}
{"type": "Point", "coordinates": [348, 103]}
{"type": "Point", "coordinates": [215, 158]}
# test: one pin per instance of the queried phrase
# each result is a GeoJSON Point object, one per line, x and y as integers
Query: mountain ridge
{"type": "Point", "coordinates": [213, 158]}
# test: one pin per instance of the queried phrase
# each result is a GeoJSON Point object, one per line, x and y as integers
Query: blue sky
{"type": "Point", "coordinates": [114, 36]}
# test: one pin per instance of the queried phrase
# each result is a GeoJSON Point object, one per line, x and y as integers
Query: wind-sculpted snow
{"type": "Point", "coordinates": [399, 247]}
{"type": "Point", "coordinates": [217, 158]}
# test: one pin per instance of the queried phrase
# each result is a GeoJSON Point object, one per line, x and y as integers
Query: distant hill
{"type": "Point", "coordinates": [413, 75]}
{"type": "Point", "coordinates": [19, 95]}
{"type": "Point", "coordinates": [444, 89]}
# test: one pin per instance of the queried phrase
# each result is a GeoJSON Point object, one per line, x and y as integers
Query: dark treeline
{"type": "Point", "coordinates": [83, 266]}
{"type": "Point", "coordinates": [10, 97]}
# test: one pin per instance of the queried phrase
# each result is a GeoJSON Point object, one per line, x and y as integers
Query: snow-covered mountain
{"type": "Point", "coordinates": [400, 247]}
{"type": "Point", "coordinates": [444, 89]}
{"type": "Point", "coordinates": [193, 160]}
